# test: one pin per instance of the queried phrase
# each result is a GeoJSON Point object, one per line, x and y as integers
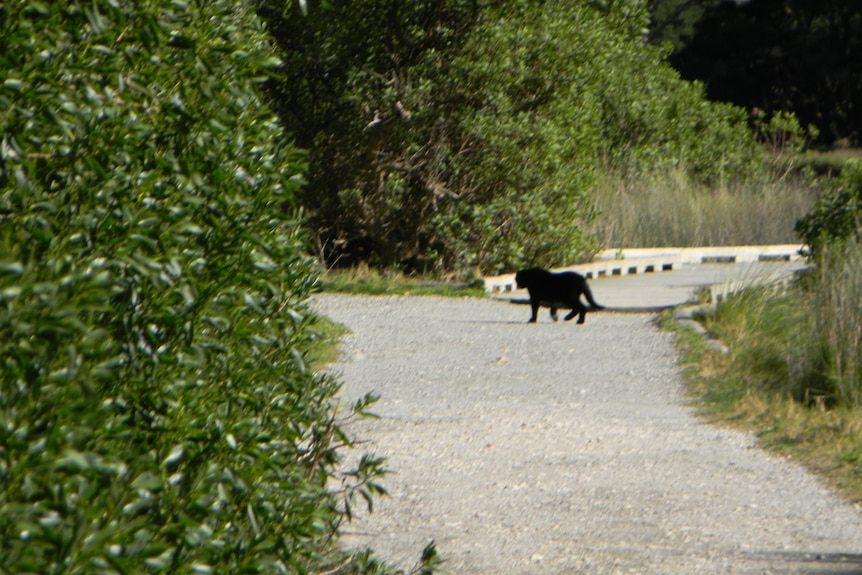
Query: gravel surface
{"type": "Point", "coordinates": [558, 449]}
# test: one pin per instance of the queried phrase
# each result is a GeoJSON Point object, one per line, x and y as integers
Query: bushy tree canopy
{"type": "Point", "coordinates": [156, 412]}
{"type": "Point", "coordinates": [465, 134]}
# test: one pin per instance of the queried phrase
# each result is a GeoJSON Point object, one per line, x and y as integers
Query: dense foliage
{"type": "Point", "coordinates": [457, 134]}
{"type": "Point", "coordinates": [156, 410]}
{"type": "Point", "coordinates": [837, 215]}
{"type": "Point", "coordinates": [359, 89]}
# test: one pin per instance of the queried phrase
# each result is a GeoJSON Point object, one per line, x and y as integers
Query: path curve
{"type": "Point", "coordinates": [559, 449]}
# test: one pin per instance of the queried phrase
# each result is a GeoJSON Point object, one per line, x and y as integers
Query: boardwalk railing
{"type": "Point", "coordinates": [621, 262]}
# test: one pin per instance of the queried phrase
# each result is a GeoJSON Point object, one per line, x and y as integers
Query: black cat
{"type": "Point", "coordinates": [556, 290]}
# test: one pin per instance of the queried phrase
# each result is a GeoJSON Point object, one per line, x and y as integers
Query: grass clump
{"type": "Point", "coordinates": [793, 373]}
{"type": "Point", "coordinates": [670, 209]}
{"type": "Point", "coordinates": [324, 335]}
{"type": "Point", "coordinates": [837, 322]}
{"type": "Point", "coordinates": [363, 279]}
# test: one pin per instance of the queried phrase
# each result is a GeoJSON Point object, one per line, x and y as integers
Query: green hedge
{"type": "Point", "coordinates": [156, 410]}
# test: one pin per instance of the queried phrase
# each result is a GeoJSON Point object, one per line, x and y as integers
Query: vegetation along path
{"type": "Point", "coordinates": [556, 448]}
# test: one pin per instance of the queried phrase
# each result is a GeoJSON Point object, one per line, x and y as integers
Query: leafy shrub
{"type": "Point", "coordinates": [156, 410]}
{"type": "Point", "coordinates": [560, 94]}
{"type": "Point", "coordinates": [457, 135]}
{"type": "Point", "coordinates": [362, 87]}
{"type": "Point", "coordinates": [836, 215]}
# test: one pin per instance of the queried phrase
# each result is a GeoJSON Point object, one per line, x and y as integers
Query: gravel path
{"type": "Point", "coordinates": [560, 449]}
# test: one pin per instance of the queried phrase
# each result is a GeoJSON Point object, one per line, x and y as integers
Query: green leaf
{"type": "Point", "coordinates": [73, 461]}
{"type": "Point", "coordinates": [148, 481]}
{"type": "Point", "coordinates": [12, 268]}
{"type": "Point", "coordinates": [162, 561]}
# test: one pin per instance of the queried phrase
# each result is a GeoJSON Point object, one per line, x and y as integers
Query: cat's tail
{"type": "Point", "coordinates": [589, 295]}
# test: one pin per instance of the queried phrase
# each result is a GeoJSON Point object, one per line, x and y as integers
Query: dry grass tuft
{"type": "Point", "coordinates": [671, 211]}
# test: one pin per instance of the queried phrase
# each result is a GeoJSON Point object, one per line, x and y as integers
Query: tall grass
{"type": "Point", "coordinates": [804, 342]}
{"type": "Point", "coordinates": [760, 325]}
{"type": "Point", "coordinates": [794, 370]}
{"type": "Point", "coordinates": [838, 320]}
{"type": "Point", "coordinates": [670, 210]}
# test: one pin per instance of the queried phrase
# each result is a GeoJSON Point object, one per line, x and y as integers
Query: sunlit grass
{"type": "Point", "coordinates": [670, 210]}
{"type": "Point", "coordinates": [325, 335]}
{"type": "Point", "coordinates": [793, 373]}
{"type": "Point", "coordinates": [363, 279]}
{"type": "Point", "coordinates": [837, 319]}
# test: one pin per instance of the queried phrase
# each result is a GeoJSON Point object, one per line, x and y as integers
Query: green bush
{"type": "Point", "coordinates": [562, 93]}
{"type": "Point", "coordinates": [468, 136]}
{"type": "Point", "coordinates": [156, 410]}
{"type": "Point", "coordinates": [837, 215]}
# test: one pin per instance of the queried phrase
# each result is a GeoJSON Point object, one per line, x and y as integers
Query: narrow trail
{"type": "Point", "coordinates": [559, 449]}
